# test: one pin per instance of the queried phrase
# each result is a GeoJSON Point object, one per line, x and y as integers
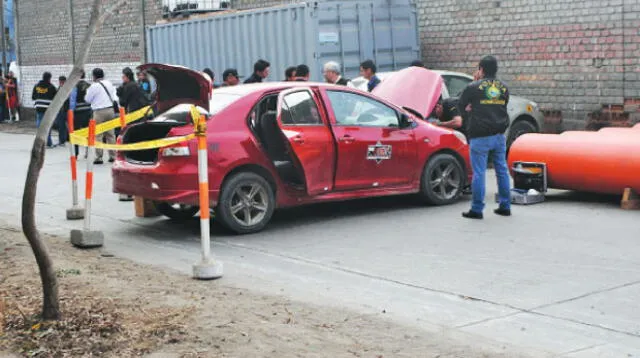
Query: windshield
{"type": "Point", "coordinates": [220, 101]}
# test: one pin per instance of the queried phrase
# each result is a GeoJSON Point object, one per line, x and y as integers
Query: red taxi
{"type": "Point", "coordinates": [285, 144]}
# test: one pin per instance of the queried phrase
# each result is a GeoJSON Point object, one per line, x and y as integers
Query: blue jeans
{"type": "Point", "coordinates": [39, 116]}
{"type": "Point", "coordinates": [63, 134]}
{"type": "Point", "coordinates": [495, 148]}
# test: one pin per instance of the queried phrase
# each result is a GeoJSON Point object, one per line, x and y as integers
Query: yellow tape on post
{"type": "Point", "coordinates": [111, 124]}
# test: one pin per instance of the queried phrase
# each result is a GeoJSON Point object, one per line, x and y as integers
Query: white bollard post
{"type": "Point", "coordinates": [76, 212]}
{"type": "Point", "coordinates": [208, 268]}
{"type": "Point", "coordinates": [86, 238]}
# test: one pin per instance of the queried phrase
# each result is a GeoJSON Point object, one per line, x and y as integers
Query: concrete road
{"type": "Point", "coordinates": [559, 278]}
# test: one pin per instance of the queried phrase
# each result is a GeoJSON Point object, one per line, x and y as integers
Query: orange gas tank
{"type": "Point", "coordinates": [600, 162]}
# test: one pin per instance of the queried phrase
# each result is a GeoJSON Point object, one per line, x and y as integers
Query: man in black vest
{"type": "Point", "coordinates": [81, 109]}
{"type": "Point", "coordinates": [487, 99]}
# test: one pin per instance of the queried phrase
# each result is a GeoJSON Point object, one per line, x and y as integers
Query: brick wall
{"type": "Point", "coordinates": [568, 55]}
{"type": "Point", "coordinates": [46, 43]}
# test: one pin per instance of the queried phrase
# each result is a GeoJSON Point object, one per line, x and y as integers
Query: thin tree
{"type": "Point", "coordinates": [51, 305]}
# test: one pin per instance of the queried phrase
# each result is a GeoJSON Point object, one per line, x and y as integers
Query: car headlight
{"type": "Point", "coordinates": [176, 152]}
{"type": "Point", "coordinates": [460, 136]}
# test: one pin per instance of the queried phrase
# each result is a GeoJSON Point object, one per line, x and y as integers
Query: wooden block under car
{"type": "Point", "coordinates": [630, 200]}
{"type": "Point", "coordinates": [145, 208]}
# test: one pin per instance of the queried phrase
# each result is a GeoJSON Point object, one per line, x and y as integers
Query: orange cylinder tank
{"type": "Point", "coordinates": [601, 162]}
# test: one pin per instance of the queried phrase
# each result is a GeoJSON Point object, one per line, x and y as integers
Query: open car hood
{"type": "Point", "coordinates": [177, 85]}
{"type": "Point", "coordinates": [415, 88]}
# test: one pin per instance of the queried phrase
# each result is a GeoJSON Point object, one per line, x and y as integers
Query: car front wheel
{"type": "Point", "coordinates": [246, 203]}
{"type": "Point", "coordinates": [442, 180]}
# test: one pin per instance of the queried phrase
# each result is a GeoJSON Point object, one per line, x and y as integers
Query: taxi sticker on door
{"type": "Point", "coordinates": [379, 152]}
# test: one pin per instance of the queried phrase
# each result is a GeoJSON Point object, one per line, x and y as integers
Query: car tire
{"type": "Point", "coordinates": [176, 211]}
{"type": "Point", "coordinates": [519, 128]}
{"type": "Point", "coordinates": [247, 202]}
{"type": "Point", "coordinates": [443, 180]}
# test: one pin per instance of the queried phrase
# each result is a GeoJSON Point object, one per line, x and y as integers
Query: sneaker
{"type": "Point", "coordinates": [111, 160]}
{"type": "Point", "coordinates": [502, 212]}
{"type": "Point", "coordinates": [472, 215]}
{"type": "Point", "coordinates": [98, 161]}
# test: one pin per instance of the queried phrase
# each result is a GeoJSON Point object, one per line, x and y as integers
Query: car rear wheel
{"type": "Point", "coordinates": [519, 128]}
{"type": "Point", "coordinates": [442, 180]}
{"type": "Point", "coordinates": [246, 203]}
{"type": "Point", "coordinates": [176, 211]}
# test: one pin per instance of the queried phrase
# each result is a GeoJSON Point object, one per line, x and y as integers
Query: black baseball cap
{"type": "Point", "coordinates": [230, 72]}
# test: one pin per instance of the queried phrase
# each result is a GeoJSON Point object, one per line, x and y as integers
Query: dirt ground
{"type": "Point", "coordinates": [116, 308]}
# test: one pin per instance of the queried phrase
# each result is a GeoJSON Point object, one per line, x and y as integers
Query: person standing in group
{"type": "Point", "coordinates": [302, 73]}
{"type": "Point", "coordinates": [13, 101]}
{"type": "Point", "coordinates": [81, 109]}
{"type": "Point", "coordinates": [3, 98]}
{"type": "Point", "coordinates": [61, 117]}
{"type": "Point", "coordinates": [43, 94]}
{"type": "Point", "coordinates": [132, 97]}
{"type": "Point", "coordinates": [230, 77]}
{"type": "Point", "coordinates": [101, 96]}
{"type": "Point", "coordinates": [260, 72]}
{"type": "Point", "coordinates": [486, 99]}
{"type": "Point", "coordinates": [290, 74]}
{"type": "Point", "coordinates": [368, 70]}
{"type": "Point", "coordinates": [144, 84]}
{"type": "Point", "coordinates": [331, 72]}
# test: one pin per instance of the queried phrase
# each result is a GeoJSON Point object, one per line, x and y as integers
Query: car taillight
{"type": "Point", "coordinates": [182, 151]}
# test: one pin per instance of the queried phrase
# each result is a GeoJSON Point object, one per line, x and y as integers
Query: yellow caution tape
{"type": "Point", "coordinates": [150, 144]}
{"type": "Point", "coordinates": [80, 137]}
{"type": "Point", "coordinates": [111, 124]}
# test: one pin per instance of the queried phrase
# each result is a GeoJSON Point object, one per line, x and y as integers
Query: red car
{"type": "Point", "coordinates": [287, 144]}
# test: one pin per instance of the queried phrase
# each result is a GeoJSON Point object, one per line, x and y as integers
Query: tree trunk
{"type": "Point", "coordinates": [51, 307]}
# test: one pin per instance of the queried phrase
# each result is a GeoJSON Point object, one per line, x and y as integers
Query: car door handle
{"type": "Point", "coordinates": [346, 138]}
{"type": "Point", "coordinates": [298, 139]}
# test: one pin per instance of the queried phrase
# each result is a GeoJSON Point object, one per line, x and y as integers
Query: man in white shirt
{"type": "Point", "coordinates": [101, 95]}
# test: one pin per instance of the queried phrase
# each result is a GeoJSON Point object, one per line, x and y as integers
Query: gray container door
{"type": "Point", "coordinates": [384, 31]}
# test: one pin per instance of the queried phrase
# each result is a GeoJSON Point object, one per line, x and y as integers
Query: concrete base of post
{"type": "Point", "coordinates": [87, 239]}
{"type": "Point", "coordinates": [207, 270]}
{"type": "Point", "coordinates": [75, 213]}
{"type": "Point", "coordinates": [125, 197]}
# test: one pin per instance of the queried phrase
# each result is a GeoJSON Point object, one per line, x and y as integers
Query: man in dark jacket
{"type": "Point", "coordinates": [302, 73]}
{"type": "Point", "coordinates": [260, 72]}
{"type": "Point", "coordinates": [488, 120]}
{"type": "Point", "coordinates": [131, 95]}
{"type": "Point", "coordinates": [368, 70]}
{"type": "Point", "coordinates": [331, 72]}
{"type": "Point", "coordinates": [81, 109]}
{"type": "Point", "coordinates": [43, 93]}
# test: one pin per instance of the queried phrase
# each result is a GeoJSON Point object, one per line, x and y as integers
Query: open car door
{"type": "Point", "coordinates": [308, 138]}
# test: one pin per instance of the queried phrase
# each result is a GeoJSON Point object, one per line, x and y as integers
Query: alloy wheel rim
{"type": "Point", "coordinates": [445, 181]}
{"type": "Point", "coordinates": [249, 204]}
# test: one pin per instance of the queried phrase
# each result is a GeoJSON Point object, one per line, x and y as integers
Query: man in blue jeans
{"type": "Point", "coordinates": [486, 99]}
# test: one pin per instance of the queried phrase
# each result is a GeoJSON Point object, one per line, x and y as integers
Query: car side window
{"type": "Point", "coordinates": [456, 84]}
{"type": "Point", "coordinates": [351, 109]}
{"type": "Point", "coordinates": [299, 108]}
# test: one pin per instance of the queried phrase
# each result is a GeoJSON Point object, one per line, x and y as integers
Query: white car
{"type": "Point", "coordinates": [524, 114]}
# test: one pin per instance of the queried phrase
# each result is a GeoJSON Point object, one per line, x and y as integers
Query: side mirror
{"type": "Point", "coordinates": [405, 122]}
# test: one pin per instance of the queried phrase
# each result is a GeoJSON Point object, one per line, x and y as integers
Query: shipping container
{"type": "Point", "coordinates": [310, 33]}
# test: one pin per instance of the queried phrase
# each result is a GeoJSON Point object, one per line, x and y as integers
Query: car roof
{"type": "Point", "coordinates": [245, 89]}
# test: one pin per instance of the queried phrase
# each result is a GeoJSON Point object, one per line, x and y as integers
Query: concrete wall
{"type": "Point", "coordinates": [48, 38]}
{"type": "Point", "coordinates": [568, 55]}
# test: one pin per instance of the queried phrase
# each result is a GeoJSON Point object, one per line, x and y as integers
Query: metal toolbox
{"type": "Point", "coordinates": [528, 176]}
